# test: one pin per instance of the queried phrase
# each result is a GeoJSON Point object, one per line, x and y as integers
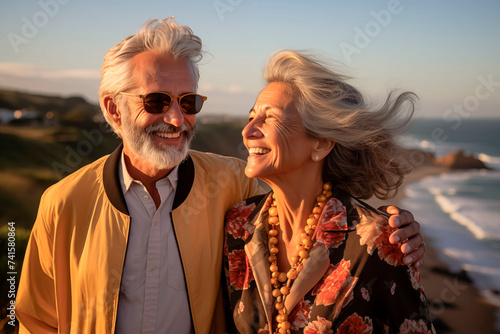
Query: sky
{"type": "Point", "coordinates": [447, 52]}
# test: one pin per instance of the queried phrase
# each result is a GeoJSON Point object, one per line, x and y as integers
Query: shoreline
{"type": "Point", "coordinates": [456, 305]}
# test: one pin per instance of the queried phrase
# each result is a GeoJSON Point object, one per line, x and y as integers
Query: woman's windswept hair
{"type": "Point", "coordinates": [365, 160]}
{"type": "Point", "coordinates": [162, 36]}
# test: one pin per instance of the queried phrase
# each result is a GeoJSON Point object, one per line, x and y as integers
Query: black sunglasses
{"type": "Point", "coordinates": [160, 102]}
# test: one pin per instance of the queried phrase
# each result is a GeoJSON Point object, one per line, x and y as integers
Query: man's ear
{"type": "Point", "coordinates": [113, 112]}
{"type": "Point", "coordinates": [322, 148]}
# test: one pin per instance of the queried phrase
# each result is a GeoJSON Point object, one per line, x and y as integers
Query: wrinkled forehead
{"type": "Point", "coordinates": [149, 68]}
{"type": "Point", "coordinates": [276, 98]}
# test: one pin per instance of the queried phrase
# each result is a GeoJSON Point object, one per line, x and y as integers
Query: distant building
{"type": "Point", "coordinates": [25, 117]}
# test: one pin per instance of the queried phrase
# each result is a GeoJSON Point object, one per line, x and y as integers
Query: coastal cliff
{"type": "Point", "coordinates": [460, 160]}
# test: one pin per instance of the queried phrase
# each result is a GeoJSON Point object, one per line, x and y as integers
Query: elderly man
{"type": "Point", "coordinates": [132, 243]}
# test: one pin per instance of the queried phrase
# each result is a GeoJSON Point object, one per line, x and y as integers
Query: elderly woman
{"type": "Point", "coordinates": [311, 257]}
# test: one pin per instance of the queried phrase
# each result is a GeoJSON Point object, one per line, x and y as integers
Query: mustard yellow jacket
{"type": "Point", "coordinates": [71, 275]}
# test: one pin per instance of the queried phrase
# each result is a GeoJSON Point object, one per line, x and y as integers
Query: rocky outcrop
{"type": "Point", "coordinates": [460, 160]}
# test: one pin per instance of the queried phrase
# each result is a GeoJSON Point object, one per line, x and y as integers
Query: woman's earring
{"type": "Point", "coordinates": [316, 157]}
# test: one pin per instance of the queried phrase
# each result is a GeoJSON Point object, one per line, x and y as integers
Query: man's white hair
{"type": "Point", "coordinates": [162, 36]}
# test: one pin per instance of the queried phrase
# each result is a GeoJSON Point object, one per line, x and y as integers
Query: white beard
{"type": "Point", "coordinates": [141, 143]}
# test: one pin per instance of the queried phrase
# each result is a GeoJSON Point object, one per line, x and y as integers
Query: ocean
{"type": "Point", "coordinates": [459, 211]}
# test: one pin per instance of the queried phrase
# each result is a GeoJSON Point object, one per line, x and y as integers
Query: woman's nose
{"type": "Point", "coordinates": [251, 130]}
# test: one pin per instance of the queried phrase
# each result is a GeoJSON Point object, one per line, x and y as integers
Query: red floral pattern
{"type": "Point", "coordinates": [240, 272]}
{"type": "Point", "coordinates": [354, 324]}
{"type": "Point", "coordinates": [241, 308]}
{"type": "Point", "coordinates": [336, 285]}
{"type": "Point", "coordinates": [236, 224]}
{"type": "Point", "coordinates": [331, 240]}
{"type": "Point", "coordinates": [368, 228]}
{"type": "Point", "coordinates": [393, 289]}
{"type": "Point", "coordinates": [333, 218]}
{"type": "Point", "coordinates": [388, 252]}
{"type": "Point", "coordinates": [319, 326]}
{"type": "Point", "coordinates": [414, 327]}
{"type": "Point", "coordinates": [415, 278]}
{"type": "Point", "coordinates": [365, 294]}
{"type": "Point", "coordinates": [300, 314]}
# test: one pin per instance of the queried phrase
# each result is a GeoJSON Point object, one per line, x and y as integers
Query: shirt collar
{"type": "Point", "coordinates": [126, 180]}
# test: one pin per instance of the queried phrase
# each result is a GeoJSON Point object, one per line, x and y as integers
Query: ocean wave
{"type": "Point", "coordinates": [458, 177]}
{"type": "Point", "coordinates": [474, 215]}
{"type": "Point", "coordinates": [468, 198]}
{"type": "Point", "coordinates": [454, 244]}
{"type": "Point", "coordinates": [489, 160]}
{"type": "Point", "coordinates": [459, 254]}
{"type": "Point", "coordinates": [482, 269]}
{"type": "Point", "coordinates": [492, 297]}
{"type": "Point", "coordinates": [409, 192]}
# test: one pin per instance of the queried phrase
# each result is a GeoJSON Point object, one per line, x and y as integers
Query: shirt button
{"type": "Point", "coordinates": [146, 197]}
{"type": "Point", "coordinates": [152, 270]}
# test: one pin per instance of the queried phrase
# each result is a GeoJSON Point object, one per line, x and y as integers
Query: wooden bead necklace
{"type": "Point", "coordinates": [282, 281]}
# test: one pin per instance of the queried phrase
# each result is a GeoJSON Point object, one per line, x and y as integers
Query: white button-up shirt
{"type": "Point", "coordinates": [153, 296]}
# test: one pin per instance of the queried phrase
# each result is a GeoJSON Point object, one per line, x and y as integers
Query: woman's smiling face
{"type": "Point", "coordinates": [275, 136]}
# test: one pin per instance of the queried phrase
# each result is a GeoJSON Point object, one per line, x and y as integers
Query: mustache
{"type": "Point", "coordinates": [162, 127]}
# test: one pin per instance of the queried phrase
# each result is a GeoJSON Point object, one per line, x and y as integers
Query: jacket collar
{"type": "Point", "coordinates": [185, 180]}
{"type": "Point", "coordinates": [111, 181]}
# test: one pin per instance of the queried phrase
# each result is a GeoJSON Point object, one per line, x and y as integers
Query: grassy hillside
{"type": "Point", "coordinates": [33, 158]}
{"type": "Point", "coordinates": [222, 138]}
{"type": "Point", "coordinates": [14, 100]}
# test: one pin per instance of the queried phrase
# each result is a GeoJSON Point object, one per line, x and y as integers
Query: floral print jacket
{"type": "Point", "coordinates": [354, 280]}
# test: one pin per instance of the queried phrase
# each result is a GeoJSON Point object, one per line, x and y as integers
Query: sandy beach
{"type": "Point", "coordinates": [456, 305]}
